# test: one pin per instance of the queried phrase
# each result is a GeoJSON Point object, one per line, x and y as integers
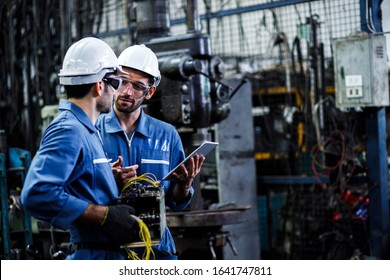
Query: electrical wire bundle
{"type": "Point", "coordinates": [333, 146]}
{"type": "Point", "coordinates": [147, 177]}
{"type": "Point", "coordinates": [144, 233]}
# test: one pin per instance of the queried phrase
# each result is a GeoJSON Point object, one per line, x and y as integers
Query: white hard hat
{"type": "Point", "coordinates": [141, 58]}
{"type": "Point", "coordinates": [87, 61]}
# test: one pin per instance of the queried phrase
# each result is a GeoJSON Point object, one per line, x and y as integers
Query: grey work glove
{"type": "Point", "coordinates": [119, 225]}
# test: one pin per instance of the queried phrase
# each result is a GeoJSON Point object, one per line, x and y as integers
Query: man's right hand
{"type": "Point", "coordinates": [119, 225]}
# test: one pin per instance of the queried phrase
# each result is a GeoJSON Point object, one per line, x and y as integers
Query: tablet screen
{"type": "Point", "coordinates": [203, 149]}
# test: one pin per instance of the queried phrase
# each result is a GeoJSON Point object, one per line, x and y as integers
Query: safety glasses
{"type": "Point", "coordinates": [138, 87]}
{"type": "Point", "coordinates": [115, 82]}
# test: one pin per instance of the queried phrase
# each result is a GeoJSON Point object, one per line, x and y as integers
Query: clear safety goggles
{"type": "Point", "coordinates": [139, 88]}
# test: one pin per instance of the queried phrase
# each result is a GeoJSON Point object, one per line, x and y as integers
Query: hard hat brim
{"type": "Point", "coordinates": [89, 79]}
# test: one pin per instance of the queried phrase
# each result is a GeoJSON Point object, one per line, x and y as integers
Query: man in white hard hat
{"type": "Point", "coordinates": [145, 144]}
{"type": "Point", "coordinates": [70, 182]}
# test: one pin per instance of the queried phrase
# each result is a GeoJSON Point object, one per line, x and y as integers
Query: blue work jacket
{"type": "Point", "coordinates": [69, 171]}
{"type": "Point", "coordinates": [155, 146]}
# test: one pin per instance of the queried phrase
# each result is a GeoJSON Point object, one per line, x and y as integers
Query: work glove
{"type": "Point", "coordinates": [119, 225]}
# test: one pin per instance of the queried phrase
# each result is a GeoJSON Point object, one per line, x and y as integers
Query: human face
{"type": "Point", "coordinates": [132, 92]}
{"type": "Point", "coordinates": [105, 100]}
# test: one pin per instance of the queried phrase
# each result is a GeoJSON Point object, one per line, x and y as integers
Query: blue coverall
{"type": "Point", "coordinates": [69, 171]}
{"type": "Point", "coordinates": [157, 148]}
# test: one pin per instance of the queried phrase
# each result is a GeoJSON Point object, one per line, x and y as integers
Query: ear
{"type": "Point", "coordinates": [99, 88]}
{"type": "Point", "coordinates": [150, 93]}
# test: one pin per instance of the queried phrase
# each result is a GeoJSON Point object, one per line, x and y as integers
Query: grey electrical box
{"type": "Point", "coordinates": [361, 71]}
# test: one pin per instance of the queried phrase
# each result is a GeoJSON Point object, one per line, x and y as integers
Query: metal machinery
{"type": "Point", "coordinates": [149, 203]}
{"type": "Point", "coordinates": [192, 97]}
{"type": "Point", "coordinates": [191, 93]}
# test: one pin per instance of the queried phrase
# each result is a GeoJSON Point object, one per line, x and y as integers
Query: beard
{"type": "Point", "coordinates": [127, 104]}
{"type": "Point", "coordinates": [105, 101]}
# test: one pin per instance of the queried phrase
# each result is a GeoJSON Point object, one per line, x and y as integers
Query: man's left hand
{"type": "Point", "coordinates": [186, 174]}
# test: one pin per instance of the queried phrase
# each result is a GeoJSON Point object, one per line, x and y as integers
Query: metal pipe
{"type": "Point", "coordinates": [193, 20]}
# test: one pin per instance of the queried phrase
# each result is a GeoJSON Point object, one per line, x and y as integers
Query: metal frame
{"type": "Point", "coordinates": [377, 171]}
{"type": "Point", "coordinates": [224, 13]}
{"type": "Point", "coordinates": [241, 10]}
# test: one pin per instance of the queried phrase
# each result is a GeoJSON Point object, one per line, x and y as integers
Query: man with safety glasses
{"type": "Point", "coordinates": [142, 144]}
{"type": "Point", "coordinates": [70, 182]}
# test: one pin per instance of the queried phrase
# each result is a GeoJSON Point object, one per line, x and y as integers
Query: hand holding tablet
{"type": "Point", "coordinates": [202, 150]}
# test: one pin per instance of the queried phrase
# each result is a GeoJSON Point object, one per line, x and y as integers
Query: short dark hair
{"type": "Point", "coordinates": [77, 91]}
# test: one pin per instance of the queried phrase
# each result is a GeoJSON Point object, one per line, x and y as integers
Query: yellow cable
{"type": "Point", "coordinates": [144, 235]}
{"type": "Point", "coordinates": [148, 177]}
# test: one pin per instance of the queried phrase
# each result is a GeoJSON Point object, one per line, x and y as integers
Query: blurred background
{"type": "Point", "coordinates": [295, 91]}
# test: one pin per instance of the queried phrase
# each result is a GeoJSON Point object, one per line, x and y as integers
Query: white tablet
{"type": "Point", "coordinates": [203, 150]}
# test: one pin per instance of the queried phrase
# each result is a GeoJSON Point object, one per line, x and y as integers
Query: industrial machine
{"type": "Point", "coordinates": [191, 93]}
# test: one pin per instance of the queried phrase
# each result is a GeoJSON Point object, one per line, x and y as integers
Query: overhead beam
{"type": "Point", "coordinates": [241, 10]}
